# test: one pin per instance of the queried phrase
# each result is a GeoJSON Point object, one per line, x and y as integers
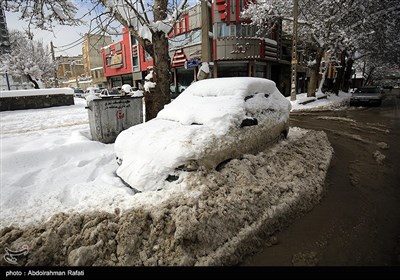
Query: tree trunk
{"type": "Point", "coordinates": [347, 75]}
{"type": "Point", "coordinates": [340, 73]}
{"type": "Point", "coordinates": [369, 79]}
{"type": "Point", "coordinates": [157, 98]}
{"type": "Point", "coordinates": [312, 84]}
{"type": "Point", "coordinates": [35, 84]}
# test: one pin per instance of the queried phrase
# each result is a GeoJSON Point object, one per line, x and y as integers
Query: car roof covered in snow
{"type": "Point", "coordinates": [222, 100]}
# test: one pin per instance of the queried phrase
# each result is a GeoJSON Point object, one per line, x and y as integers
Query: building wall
{"type": "Point", "coordinates": [212, 32]}
{"type": "Point", "coordinates": [70, 70]}
{"type": "Point", "coordinates": [117, 60]}
{"type": "Point", "coordinates": [216, 34]}
{"type": "Point", "coordinates": [236, 45]}
{"type": "Point", "coordinates": [145, 59]}
{"type": "Point", "coordinates": [98, 77]}
{"type": "Point", "coordinates": [91, 51]}
{"type": "Point", "coordinates": [125, 62]}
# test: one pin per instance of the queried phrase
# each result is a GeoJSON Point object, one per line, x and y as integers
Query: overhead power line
{"type": "Point", "coordinates": [78, 42]}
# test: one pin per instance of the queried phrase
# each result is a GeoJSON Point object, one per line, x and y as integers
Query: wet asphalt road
{"type": "Point", "coordinates": [357, 222]}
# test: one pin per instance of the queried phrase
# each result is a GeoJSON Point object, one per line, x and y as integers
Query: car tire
{"type": "Point", "coordinates": [282, 136]}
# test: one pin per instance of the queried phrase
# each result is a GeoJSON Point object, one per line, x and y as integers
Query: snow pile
{"type": "Point", "coordinates": [331, 102]}
{"type": "Point", "coordinates": [149, 81]}
{"type": "Point", "coordinates": [217, 218]}
{"type": "Point", "coordinates": [34, 92]}
{"type": "Point", "coordinates": [202, 126]}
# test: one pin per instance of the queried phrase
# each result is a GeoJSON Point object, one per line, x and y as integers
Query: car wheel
{"type": "Point", "coordinates": [282, 136]}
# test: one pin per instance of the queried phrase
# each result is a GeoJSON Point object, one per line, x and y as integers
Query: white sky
{"type": "Point", "coordinates": [61, 36]}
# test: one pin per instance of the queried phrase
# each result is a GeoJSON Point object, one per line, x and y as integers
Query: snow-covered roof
{"type": "Point", "coordinates": [358, 75]}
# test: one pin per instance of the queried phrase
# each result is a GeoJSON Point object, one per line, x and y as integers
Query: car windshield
{"type": "Point", "coordinates": [367, 91]}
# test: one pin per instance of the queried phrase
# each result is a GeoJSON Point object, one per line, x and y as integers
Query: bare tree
{"type": "Point", "coordinates": [148, 21]}
{"type": "Point", "coordinates": [335, 26]}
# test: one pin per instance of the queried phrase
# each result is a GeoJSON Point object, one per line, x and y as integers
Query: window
{"type": "Point", "coordinates": [185, 39]}
{"type": "Point", "coordinates": [221, 30]}
{"type": "Point", "coordinates": [147, 56]}
{"type": "Point", "coordinates": [232, 30]}
{"type": "Point", "coordinates": [224, 30]}
{"type": "Point", "coordinates": [135, 61]}
{"type": "Point", "coordinates": [239, 31]}
{"type": "Point", "coordinates": [108, 60]}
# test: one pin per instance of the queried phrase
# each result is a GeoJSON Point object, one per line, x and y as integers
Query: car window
{"type": "Point", "coordinates": [368, 90]}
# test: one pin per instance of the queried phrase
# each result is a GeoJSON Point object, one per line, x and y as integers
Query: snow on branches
{"type": "Point", "coordinates": [28, 58]}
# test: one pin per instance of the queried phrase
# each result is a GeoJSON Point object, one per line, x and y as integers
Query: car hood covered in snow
{"type": "Point", "coordinates": [203, 122]}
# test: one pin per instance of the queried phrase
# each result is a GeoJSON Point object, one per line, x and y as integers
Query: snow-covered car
{"type": "Point", "coordinates": [181, 88]}
{"type": "Point", "coordinates": [92, 91]}
{"type": "Point", "coordinates": [211, 122]}
{"type": "Point", "coordinates": [78, 92]}
{"type": "Point", "coordinates": [367, 95]}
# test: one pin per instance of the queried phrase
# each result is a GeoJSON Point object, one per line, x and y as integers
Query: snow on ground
{"type": "Point", "coordinates": [215, 219]}
{"type": "Point", "coordinates": [331, 102]}
{"type": "Point", "coordinates": [49, 165]}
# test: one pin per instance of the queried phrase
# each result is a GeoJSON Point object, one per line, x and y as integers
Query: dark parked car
{"type": "Point", "coordinates": [367, 95]}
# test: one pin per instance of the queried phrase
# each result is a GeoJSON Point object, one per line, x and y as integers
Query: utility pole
{"type": "Point", "coordinates": [293, 85]}
{"type": "Point", "coordinates": [54, 59]}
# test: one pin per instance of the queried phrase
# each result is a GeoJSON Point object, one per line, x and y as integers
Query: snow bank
{"type": "Point", "coordinates": [214, 218]}
{"type": "Point", "coordinates": [34, 92]}
{"type": "Point", "coordinates": [331, 102]}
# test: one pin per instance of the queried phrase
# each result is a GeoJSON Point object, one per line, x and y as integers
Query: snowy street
{"type": "Point", "coordinates": [357, 221]}
{"type": "Point", "coordinates": [96, 216]}
{"type": "Point", "coordinates": [199, 133]}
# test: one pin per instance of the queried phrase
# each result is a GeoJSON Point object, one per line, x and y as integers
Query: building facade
{"type": "Point", "coordinates": [212, 32]}
{"type": "Point", "coordinates": [125, 62]}
{"type": "Point", "coordinates": [91, 51]}
{"type": "Point", "coordinates": [70, 70]}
